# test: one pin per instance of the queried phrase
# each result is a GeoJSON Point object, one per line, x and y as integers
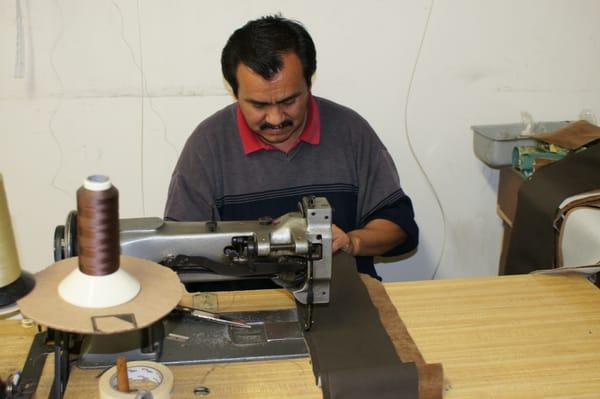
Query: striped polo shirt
{"type": "Point", "coordinates": [348, 165]}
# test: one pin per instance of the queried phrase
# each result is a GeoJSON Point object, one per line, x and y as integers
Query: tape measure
{"type": "Point", "coordinates": [152, 377]}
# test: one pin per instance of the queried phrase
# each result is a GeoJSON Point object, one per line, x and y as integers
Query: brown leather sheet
{"type": "Point", "coordinates": [351, 353]}
{"type": "Point", "coordinates": [532, 242]}
{"type": "Point", "coordinates": [572, 136]}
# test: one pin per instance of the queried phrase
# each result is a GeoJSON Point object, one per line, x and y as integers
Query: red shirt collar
{"type": "Point", "coordinates": [311, 133]}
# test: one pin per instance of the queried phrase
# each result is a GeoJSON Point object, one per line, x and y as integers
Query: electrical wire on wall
{"type": "Point", "coordinates": [144, 94]}
{"type": "Point", "coordinates": [143, 87]}
{"type": "Point", "coordinates": [410, 146]}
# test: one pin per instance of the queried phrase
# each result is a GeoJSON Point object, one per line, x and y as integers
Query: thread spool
{"type": "Point", "coordinates": [9, 261]}
{"type": "Point", "coordinates": [14, 283]}
{"type": "Point", "coordinates": [98, 226]}
{"type": "Point", "coordinates": [98, 281]}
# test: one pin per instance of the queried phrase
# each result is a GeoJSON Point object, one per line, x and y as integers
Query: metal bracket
{"type": "Point", "coordinates": [33, 367]}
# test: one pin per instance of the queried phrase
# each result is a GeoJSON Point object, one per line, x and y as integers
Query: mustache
{"type": "Point", "coordinates": [285, 123]}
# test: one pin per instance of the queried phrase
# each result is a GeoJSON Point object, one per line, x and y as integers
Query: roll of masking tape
{"type": "Point", "coordinates": [153, 377]}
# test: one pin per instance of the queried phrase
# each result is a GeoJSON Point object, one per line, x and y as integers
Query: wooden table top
{"type": "Point", "coordinates": [531, 336]}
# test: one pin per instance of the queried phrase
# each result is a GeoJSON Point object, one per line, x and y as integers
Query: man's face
{"type": "Point", "coordinates": [274, 109]}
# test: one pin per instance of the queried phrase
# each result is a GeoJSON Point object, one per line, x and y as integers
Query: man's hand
{"type": "Point", "coordinates": [342, 241]}
{"type": "Point", "coordinates": [377, 237]}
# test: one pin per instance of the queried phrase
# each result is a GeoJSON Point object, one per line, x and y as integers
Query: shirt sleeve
{"type": "Point", "coordinates": [380, 194]}
{"type": "Point", "coordinates": [400, 212]}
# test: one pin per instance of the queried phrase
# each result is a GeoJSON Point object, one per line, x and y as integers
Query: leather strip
{"type": "Point", "coordinates": [351, 353]}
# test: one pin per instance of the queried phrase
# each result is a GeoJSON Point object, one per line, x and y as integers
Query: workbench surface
{"type": "Point", "coordinates": [531, 336]}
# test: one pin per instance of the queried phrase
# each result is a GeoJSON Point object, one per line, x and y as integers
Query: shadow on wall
{"type": "Point", "coordinates": [490, 175]}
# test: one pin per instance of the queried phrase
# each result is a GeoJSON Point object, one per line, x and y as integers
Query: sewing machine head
{"type": "Point", "coordinates": [293, 250]}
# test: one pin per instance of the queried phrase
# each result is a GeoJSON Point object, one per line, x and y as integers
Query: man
{"type": "Point", "coordinates": [278, 143]}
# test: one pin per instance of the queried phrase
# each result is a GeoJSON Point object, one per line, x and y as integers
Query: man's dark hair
{"type": "Point", "coordinates": [260, 44]}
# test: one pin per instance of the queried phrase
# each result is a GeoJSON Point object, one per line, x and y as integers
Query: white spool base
{"type": "Point", "coordinates": [87, 291]}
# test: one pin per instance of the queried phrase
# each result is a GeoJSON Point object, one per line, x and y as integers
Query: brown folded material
{"type": "Point", "coordinates": [351, 353]}
{"type": "Point", "coordinates": [431, 376]}
{"type": "Point", "coordinates": [378, 382]}
{"type": "Point", "coordinates": [572, 136]}
{"type": "Point", "coordinates": [533, 240]}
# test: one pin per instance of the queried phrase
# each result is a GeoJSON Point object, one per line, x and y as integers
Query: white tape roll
{"type": "Point", "coordinates": [149, 372]}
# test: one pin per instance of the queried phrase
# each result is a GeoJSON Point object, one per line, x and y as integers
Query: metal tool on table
{"type": "Point", "coordinates": [213, 317]}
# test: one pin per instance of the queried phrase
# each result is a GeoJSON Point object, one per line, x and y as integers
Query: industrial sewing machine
{"type": "Point", "coordinates": [293, 250]}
